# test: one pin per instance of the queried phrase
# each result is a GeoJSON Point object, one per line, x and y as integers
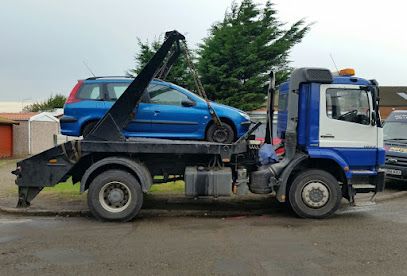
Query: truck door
{"type": "Point", "coordinates": [345, 123]}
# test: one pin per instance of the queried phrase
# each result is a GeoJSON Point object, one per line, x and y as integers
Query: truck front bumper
{"type": "Point", "coordinates": [395, 172]}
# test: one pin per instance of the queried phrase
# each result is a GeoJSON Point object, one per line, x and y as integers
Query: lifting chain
{"type": "Point", "coordinates": [198, 83]}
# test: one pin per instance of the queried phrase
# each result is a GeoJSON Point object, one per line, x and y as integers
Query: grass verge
{"type": "Point", "coordinates": [7, 161]}
{"type": "Point", "coordinates": [67, 189]}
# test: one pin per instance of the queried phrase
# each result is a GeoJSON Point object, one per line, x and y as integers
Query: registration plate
{"type": "Point", "coordinates": [392, 172]}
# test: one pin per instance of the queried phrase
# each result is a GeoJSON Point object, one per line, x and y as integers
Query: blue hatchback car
{"type": "Point", "coordinates": [166, 111]}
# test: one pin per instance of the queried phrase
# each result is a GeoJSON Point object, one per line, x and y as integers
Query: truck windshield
{"type": "Point", "coordinates": [395, 131]}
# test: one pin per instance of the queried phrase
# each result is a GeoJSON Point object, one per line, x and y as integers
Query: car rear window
{"type": "Point", "coordinates": [115, 90]}
{"type": "Point", "coordinates": [90, 92]}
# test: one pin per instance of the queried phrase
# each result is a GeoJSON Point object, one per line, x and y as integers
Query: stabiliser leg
{"type": "Point", "coordinates": [26, 195]}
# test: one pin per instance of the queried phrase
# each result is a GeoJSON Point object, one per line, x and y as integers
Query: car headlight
{"type": "Point", "coordinates": [245, 115]}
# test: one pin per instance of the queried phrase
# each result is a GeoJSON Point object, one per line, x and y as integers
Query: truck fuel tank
{"type": "Point", "coordinates": [202, 181]}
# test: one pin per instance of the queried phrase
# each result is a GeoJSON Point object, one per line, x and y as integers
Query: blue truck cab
{"type": "Point", "coordinates": [331, 127]}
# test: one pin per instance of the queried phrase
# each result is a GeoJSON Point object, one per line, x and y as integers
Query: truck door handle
{"type": "Point", "coordinates": [327, 136]}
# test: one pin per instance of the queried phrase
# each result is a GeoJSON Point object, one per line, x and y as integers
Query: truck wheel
{"type": "Point", "coordinates": [115, 195]}
{"type": "Point", "coordinates": [224, 134]}
{"type": "Point", "coordinates": [315, 194]}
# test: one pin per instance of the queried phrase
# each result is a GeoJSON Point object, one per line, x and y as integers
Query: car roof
{"type": "Point", "coordinates": [114, 79]}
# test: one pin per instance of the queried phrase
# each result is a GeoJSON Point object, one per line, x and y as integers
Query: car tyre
{"type": "Point", "coordinates": [223, 134]}
{"type": "Point", "coordinates": [315, 194]}
{"type": "Point", "coordinates": [115, 195]}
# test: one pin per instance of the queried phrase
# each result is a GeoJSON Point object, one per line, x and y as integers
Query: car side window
{"type": "Point", "coordinates": [90, 92]}
{"type": "Point", "coordinates": [115, 90]}
{"type": "Point", "coordinates": [351, 105]}
{"type": "Point", "coordinates": [160, 94]}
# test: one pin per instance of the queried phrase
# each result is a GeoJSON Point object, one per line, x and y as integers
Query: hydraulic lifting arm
{"type": "Point", "coordinates": [110, 126]}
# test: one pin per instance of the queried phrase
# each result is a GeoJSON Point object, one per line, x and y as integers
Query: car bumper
{"type": "Point", "coordinates": [242, 128]}
{"type": "Point", "coordinates": [67, 119]}
{"type": "Point", "coordinates": [246, 124]}
{"type": "Point", "coordinates": [69, 126]}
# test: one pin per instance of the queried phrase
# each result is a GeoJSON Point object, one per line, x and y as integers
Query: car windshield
{"type": "Point", "coordinates": [395, 131]}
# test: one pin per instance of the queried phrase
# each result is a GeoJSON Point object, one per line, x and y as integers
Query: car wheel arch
{"type": "Point", "coordinates": [224, 120]}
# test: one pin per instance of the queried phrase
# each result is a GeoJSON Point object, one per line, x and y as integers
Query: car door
{"type": "Point", "coordinates": [175, 113]}
{"type": "Point", "coordinates": [141, 124]}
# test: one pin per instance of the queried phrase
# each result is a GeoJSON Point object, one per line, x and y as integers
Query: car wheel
{"type": "Point", "coordinates": [87, 129]}
{"type": "Point", "coordinates": [223, 134]}
{"type": "Point", "coordinates": [315, 194]}
{"type": "Point", "coordinates": [115, 195]}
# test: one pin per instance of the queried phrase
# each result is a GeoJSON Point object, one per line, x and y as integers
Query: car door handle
{"type": "Point", "coordinates": [327, 136]}
{"type": "Point", "coordinates": [156, 112]}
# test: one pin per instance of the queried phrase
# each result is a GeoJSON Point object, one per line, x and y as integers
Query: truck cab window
{"type": "Point", "coordinates": [350, 105]}
{"type": "Point", "coordinates": [282, 102]}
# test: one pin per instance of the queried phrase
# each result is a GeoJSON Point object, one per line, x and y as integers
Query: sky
{"type": "Point", "coordinates": [44, 43]}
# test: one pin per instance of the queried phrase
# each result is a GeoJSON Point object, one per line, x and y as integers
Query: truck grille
{"type": "Point", "coordinates": [396, 161]}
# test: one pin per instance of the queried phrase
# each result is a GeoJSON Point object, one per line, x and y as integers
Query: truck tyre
{"type": "Point", "coordinates": [223, 134]}
{"type": "Point", "coordinates": [115, 195]}
{"type": "Point", "coordinates": [315, 194]}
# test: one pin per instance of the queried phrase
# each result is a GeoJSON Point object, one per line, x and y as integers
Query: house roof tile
{"type": "Point", "coordinates": [18, 116]}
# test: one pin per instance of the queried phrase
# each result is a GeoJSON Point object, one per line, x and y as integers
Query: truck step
{"type": "Point", "coordinates": [363, 186]}
{"type": "Point", "coordinates": [363, 172]}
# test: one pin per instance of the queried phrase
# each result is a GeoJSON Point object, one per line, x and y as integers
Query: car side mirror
{"type": "Point", "coordinates": [187, 103]}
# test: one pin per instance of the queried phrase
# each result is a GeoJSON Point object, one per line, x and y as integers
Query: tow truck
{"type": "Point", "coordinates": [332, 141]}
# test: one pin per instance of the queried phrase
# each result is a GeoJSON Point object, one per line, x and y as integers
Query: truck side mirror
{"type": "Point", "coordinates": [373, 118]}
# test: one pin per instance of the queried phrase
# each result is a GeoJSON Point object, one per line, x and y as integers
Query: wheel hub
{"type": "Point", "coordinates": [220, 135]}
{"type": "Point", "coordinates": [315, 194]}
{"type": "Point", "coordinates": [114, 197]}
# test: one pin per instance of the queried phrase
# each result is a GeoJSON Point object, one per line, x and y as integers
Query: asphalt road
{"type": "Point", "coordinates": [363, 241]}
